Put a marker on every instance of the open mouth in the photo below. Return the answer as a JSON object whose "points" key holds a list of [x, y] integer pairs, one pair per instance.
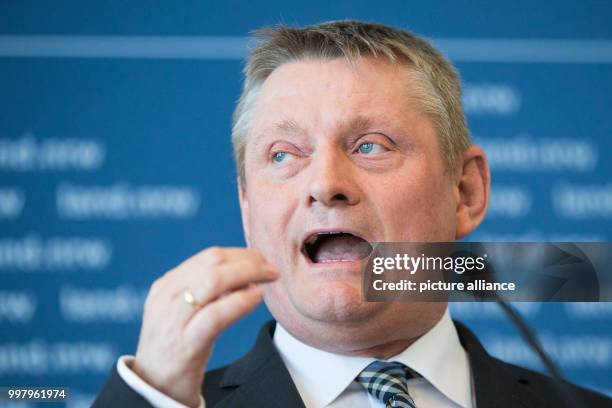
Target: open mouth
{"points": [[335, 247]]}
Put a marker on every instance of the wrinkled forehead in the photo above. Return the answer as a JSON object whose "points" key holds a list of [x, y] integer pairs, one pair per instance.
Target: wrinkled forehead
{"points": [[334, 95]]}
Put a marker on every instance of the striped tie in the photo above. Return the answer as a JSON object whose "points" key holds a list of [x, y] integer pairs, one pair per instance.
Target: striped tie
{"points": [[387, 382]]}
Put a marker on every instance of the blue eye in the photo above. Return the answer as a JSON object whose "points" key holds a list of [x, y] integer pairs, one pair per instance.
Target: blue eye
{"points": [[370, 148], [366, 148], [278, 157]]}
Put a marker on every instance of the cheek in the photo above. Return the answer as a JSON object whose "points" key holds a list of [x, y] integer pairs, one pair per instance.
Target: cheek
{"points": [[269, 213], [265, 218], [415, 209]]}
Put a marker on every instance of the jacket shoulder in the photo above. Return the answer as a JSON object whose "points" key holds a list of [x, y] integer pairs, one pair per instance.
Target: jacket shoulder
{"points": [[545, 386], [212, 390], [501, 384]]}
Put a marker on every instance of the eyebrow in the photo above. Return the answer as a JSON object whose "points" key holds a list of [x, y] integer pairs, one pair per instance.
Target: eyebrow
{"points": [[288, 126], [359, 124]]}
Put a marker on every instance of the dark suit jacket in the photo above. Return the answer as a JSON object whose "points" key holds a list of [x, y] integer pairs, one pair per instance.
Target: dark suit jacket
{"points": [[261, 380]]}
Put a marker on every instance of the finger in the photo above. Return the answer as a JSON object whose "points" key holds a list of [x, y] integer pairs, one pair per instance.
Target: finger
{"points": [[210, 321], [218, 255], [208, 286], [190, 273]]}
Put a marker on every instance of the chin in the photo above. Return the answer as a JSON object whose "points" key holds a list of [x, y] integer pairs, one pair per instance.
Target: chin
{"points": [[333, 317], [333, 302]]}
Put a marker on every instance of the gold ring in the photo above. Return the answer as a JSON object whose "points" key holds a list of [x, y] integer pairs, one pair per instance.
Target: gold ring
{"points": [[189, 298]]}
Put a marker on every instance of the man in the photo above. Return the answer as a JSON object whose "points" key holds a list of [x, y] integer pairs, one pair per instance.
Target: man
{"points": [[346, 133]]}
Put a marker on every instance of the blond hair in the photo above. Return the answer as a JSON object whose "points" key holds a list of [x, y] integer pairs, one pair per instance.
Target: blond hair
{"points": [[436, 84]]}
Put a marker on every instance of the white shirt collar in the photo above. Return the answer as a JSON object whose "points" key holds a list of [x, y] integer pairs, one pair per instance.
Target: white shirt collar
{"points": [[321, 376]]}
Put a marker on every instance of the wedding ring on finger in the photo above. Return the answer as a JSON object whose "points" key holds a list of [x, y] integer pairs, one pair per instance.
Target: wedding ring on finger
{"points": [[189, 298]]}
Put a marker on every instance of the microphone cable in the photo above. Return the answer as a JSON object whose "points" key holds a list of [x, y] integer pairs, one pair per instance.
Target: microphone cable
{"points": [[559, 382]]}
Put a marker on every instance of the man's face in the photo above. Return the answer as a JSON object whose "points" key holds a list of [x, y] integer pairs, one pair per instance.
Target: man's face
{"points": [[339, 156]]}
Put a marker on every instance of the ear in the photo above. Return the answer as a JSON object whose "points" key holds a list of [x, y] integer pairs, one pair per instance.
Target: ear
{"points": [[473, 188], [244, 210]]}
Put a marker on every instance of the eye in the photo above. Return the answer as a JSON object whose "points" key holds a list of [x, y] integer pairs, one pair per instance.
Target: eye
{"points": [[369, 148], [280, 157]]}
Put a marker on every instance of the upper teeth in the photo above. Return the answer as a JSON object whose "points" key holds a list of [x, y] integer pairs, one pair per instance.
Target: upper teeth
{"points": [[313, 238]]}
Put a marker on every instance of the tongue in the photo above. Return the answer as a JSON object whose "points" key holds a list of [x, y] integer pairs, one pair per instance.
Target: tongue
{"points": [[344, 247]]}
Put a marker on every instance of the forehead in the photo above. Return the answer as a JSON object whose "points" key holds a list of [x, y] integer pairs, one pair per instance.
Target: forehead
{"points": [[334, 93]]}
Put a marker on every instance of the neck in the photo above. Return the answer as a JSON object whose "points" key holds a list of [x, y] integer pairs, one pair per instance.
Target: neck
{"points": [[383, 351]]}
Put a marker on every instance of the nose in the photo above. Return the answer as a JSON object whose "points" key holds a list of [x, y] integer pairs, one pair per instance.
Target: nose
{"points": [[333, 179]]}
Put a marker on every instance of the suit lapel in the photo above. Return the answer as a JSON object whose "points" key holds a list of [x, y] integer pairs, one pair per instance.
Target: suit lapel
{"points": [[494, 384], [260, 378]]}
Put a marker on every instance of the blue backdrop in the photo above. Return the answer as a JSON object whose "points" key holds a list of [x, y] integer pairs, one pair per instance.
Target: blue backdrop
{"points": [[115, 162]]}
